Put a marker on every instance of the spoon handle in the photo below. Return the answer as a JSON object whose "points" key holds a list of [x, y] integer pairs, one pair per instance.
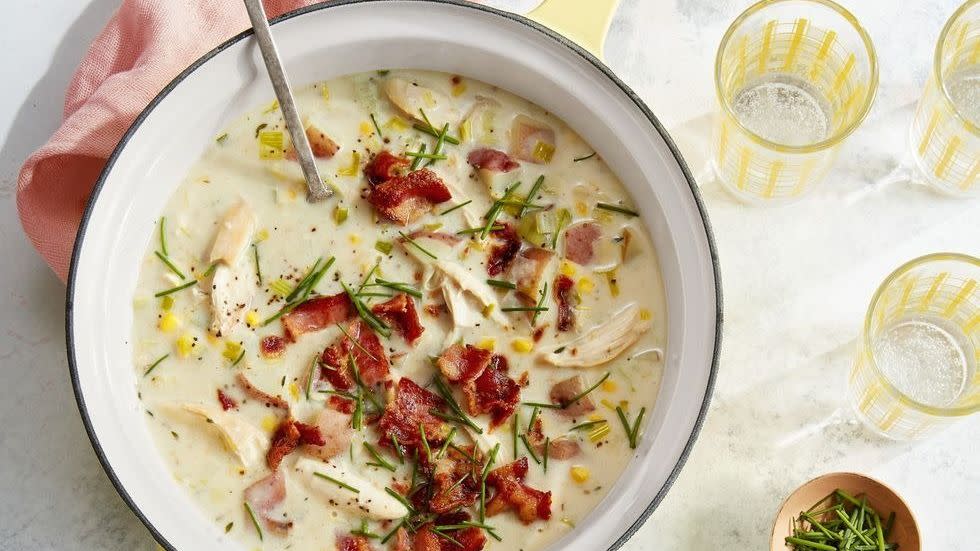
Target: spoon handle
{"points": [[316, 190]]}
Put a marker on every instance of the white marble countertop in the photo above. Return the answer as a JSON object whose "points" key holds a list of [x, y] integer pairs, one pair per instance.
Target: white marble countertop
{"points": [[796, 280]]}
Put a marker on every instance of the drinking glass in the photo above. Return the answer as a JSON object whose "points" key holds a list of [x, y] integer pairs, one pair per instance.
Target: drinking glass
{"points": [[945, 133], [794, 78], [917, 367]]}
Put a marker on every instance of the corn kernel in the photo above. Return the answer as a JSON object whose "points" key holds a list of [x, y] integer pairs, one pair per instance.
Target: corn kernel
{"points": [[232, 351], [459, 89], [487, 343], [567, 268], [608, 404], [294, 391], [213, 339], [522, 345], [168, 322], [579, 474], [270, 423], [354, 238], [365, 128], [581, 208], [645, 314], [325, 92], [595, 417], [488, 309], [252, 318], [396, 123], [184, 345], [262, 235], [609, 385], [585, 285], [272, 106], [167, 302]]}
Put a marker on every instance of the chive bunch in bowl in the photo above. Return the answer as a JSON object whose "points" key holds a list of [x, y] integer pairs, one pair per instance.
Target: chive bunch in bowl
{"points": [[841, 522]]}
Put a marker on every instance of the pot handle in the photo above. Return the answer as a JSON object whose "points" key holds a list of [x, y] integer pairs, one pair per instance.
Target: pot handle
{"points": [[585, 22]]}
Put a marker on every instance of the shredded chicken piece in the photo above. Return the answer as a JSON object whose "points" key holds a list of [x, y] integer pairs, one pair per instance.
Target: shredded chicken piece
{"points": [[234, 234], [232, 290], [473, 286], [602, 343], [246, 441]]}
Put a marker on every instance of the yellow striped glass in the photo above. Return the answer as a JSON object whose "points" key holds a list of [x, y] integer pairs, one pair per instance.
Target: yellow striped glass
{"points": [[794, 78], [916, 370], [945, 133]]}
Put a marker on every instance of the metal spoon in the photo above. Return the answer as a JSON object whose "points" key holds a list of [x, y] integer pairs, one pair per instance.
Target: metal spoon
{"points": [[315, 188]]}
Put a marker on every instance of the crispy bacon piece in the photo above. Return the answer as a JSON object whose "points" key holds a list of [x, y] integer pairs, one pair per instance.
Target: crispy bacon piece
{"points": [[511, 493], [334, 432], [266, 497], [341, 404], [385, 166], [316, 314], [288, 436], [468, 539], [353, 543], [368, 353], [264, 397], [580, 242], [492, 160], [399, 312], [463, 362], [493, 392], [455, 481], [410, 409], [504, 249], [227, 402], [405, 199], [563, 297], [528, 269], [403, 542], [272, 346], [565, 390]]}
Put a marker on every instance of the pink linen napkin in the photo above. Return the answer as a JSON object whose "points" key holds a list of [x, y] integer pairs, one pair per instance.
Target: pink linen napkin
{"points": [[143, 47]]}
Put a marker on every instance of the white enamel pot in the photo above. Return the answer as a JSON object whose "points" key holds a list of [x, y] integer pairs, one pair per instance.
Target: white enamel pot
{"points": [[339, 38]]}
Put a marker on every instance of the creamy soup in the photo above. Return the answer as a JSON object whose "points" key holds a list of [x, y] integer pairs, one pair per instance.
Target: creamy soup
{"points": [[455, 351]]}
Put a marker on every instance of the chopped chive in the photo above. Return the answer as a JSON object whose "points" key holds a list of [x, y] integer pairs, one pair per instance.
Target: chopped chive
{"points": [[403, 287], [809, 544], [384, 463], [447, 395], [542, 405], [210, 270], [169, 264], [617, 208], [430, 130], [517, 420], [530, 196], [364, 531], [502, 284], [425, 444], [305, 281], [259, 128], [469, 231], [309, 378], [449, 440], [417, 162], [547, 449], [401, 499], [258, 266], [365, 314], [524, 309], [534, 417], [440, 142], [176, 289], [376, 127], [631, 431], [371, 294], [563, 219], [255, 521], [588, 425], [163, 236], [429, 156], [394, 530], [459, 206], [221, 139], [416, 245], [483, 480], [155, 364], [540, 307], [230, 524], [446, 537], [239, 358], [586, 158], [340, 393], [357, 417], [494, 211], [527, 445], [398, 448], [364, 282], [586, 391], [340, 483]]}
